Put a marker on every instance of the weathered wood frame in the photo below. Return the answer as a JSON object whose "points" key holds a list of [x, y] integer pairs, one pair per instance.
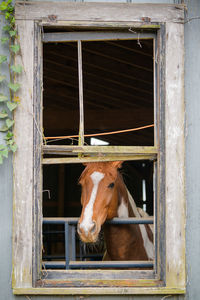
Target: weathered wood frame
{"points": [[167, 19]]}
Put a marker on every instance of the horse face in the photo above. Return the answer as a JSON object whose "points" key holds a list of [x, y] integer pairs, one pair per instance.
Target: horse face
{"points": [[98, 198]]}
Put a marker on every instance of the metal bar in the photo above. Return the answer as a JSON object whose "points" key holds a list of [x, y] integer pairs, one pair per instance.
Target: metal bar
{"points": [[94, 36], [73, 239], [112, 264], [74, 221], [81, 111], [66, 245], [99, 264]]}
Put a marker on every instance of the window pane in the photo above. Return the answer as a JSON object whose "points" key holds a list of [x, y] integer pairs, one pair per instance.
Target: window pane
{"points": [[118, 90], [62, 198], [60, 95]]}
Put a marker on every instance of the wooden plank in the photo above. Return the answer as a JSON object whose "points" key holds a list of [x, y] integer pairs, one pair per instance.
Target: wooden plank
{"points": [[175, 157], [103, 283], [99, 12], [37, 147], [94, 36], [100, 291], [56, 149], [23, 162], [71, 160], [97, 274]]}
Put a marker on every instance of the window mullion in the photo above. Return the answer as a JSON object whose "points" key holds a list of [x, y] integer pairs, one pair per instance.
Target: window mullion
{"points": [[80, 82]]}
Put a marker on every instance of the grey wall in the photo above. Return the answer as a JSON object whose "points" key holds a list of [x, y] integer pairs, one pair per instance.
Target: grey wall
{"points": [[192, 99]]}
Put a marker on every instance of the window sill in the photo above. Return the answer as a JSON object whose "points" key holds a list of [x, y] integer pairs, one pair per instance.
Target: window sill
{"points": [[99, 291]]}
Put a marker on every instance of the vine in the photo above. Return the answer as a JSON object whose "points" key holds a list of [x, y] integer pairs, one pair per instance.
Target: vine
{"points": [[9, 39]]}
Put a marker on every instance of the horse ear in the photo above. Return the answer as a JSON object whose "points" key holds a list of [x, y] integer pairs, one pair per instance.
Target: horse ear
{"points": [[117, 164]]}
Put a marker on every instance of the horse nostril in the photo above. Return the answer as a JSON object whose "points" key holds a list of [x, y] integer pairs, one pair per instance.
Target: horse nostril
{"points": [[93, 228]]}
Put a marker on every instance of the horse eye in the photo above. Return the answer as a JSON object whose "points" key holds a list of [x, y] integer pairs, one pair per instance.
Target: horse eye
{"points": [[111, 185]]}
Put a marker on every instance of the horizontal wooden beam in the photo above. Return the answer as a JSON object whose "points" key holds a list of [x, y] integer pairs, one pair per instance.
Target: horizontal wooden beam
{"points": [[114, 150], [73, 160], [98, 274], [126, 12], [93, 36], [99, 291]]}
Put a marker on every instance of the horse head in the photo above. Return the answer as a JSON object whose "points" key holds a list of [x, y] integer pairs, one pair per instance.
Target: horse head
{"points": [[98, 198]]}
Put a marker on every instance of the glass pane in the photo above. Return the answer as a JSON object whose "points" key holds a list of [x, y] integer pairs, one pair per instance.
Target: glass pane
{"points": [[60, 95], [118, 90]]}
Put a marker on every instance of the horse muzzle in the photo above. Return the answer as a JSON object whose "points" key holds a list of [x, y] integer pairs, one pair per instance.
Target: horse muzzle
{"points": [[89, 234]]}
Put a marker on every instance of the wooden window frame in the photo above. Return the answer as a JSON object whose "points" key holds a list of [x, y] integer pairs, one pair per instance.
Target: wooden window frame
{"points": [[167, 21]]}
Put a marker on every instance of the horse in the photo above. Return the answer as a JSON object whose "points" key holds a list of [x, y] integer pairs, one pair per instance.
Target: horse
{"points": [[105, 196]]}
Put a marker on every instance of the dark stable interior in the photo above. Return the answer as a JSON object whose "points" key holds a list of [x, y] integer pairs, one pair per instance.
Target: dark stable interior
{"points": [[118, 94]]}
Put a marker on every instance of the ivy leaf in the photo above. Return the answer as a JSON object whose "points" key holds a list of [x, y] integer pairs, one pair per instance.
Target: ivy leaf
{"points": [[3, 128], [6, 28], [3, 58], [3, 5], [14, 86], [7, 15], [13, 147], [10, 142], [12, 33], [2, 78], [8, 136], [3, 114], [17, 69], [9, 123], [4, 153], [15, 48], [3, 98], [1, 159], [11, 105], [4, 40], [12, 20], [2, 147]]}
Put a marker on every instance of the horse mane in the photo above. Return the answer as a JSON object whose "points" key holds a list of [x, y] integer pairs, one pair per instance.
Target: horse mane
{"points": [[140, 213]]}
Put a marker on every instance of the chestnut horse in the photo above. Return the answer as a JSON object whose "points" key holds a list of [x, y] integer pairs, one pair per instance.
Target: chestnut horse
{"points": [[105, 196]]}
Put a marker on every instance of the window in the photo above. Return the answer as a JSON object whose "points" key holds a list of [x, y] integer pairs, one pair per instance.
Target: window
{"points": [[162, 34]]}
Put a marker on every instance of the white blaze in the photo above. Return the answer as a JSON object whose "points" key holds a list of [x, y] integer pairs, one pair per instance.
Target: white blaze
{"points": [[87, 222]]}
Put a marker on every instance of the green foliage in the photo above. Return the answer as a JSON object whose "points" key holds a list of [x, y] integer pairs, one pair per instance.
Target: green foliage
{"points": [[3, 58], [3, 114], [15, 48], [14, 86], [16, 68], [3, 98], [4, 40], [11, 105], [9, 39]]}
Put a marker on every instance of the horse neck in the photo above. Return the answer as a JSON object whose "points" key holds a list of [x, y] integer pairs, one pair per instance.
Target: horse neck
{"points": [[125, 242]]}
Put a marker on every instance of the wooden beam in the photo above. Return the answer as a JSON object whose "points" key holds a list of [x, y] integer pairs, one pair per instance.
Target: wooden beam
{"points": [[23, 163], [53, 149], [105, 12], [74, 160]]}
